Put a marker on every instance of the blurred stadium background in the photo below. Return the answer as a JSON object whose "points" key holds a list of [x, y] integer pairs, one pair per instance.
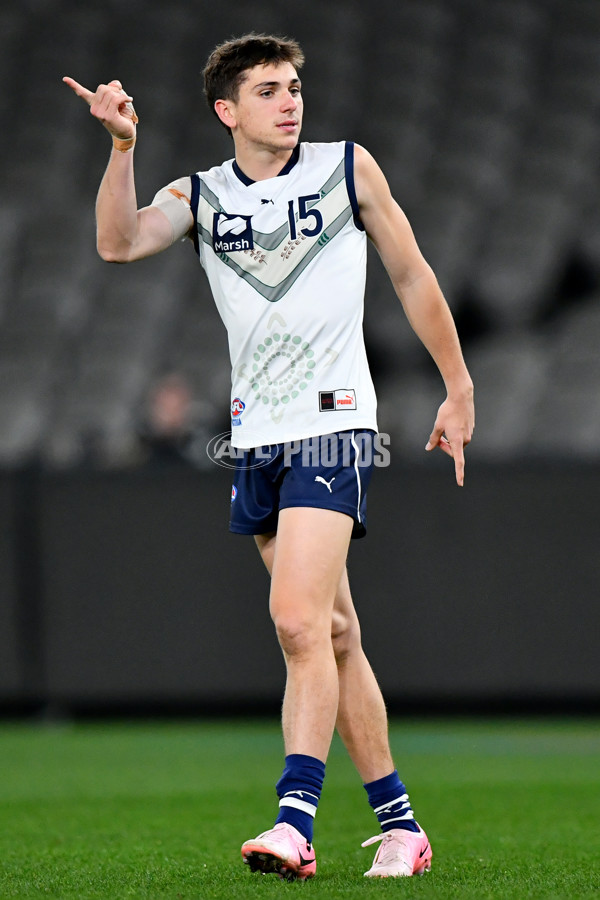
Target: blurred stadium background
{"points": [[121, 586]]}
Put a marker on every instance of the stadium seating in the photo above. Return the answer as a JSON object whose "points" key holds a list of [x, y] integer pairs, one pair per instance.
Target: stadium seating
{"points": [[484, 117]]}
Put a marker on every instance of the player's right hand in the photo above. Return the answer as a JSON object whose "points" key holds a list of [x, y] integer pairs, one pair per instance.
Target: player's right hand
{"points": [[111, 105]]}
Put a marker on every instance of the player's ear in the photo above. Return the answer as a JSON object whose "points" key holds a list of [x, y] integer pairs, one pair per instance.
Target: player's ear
{"points": [[223, 109]]}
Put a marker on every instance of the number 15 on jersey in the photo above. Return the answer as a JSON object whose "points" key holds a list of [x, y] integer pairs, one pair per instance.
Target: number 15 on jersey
{"points": [[311, 216]]}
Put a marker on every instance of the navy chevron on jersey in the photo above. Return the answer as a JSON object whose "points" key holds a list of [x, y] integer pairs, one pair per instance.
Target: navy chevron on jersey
{"points": [[286, 262]]}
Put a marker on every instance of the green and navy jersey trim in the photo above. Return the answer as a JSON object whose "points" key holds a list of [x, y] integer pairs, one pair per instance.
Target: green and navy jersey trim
{"points": [[349, 169], [194, 200]]}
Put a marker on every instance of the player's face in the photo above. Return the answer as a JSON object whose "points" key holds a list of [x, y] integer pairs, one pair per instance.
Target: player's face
{"points": [[268, 111]]}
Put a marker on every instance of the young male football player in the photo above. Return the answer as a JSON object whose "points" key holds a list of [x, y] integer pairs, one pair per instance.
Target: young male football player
{"points": [[281, 232]]}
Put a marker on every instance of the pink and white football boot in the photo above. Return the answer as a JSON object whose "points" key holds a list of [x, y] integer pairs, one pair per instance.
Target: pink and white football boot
{"points": [[401, 853], [282, 850]]}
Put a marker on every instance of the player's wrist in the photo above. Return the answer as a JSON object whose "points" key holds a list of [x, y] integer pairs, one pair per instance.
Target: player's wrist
{"points": [[124, 145], [459, 386]]}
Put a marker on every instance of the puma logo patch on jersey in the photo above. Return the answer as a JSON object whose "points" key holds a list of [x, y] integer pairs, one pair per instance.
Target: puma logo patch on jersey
{"points": [[327, 484], [332, 400], [232, 232]]}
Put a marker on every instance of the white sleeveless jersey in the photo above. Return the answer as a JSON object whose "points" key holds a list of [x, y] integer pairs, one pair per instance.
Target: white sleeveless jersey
{"points": [[286, 262]]}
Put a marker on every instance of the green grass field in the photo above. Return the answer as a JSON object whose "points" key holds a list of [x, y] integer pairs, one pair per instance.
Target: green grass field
{"points": [[160, 810]]}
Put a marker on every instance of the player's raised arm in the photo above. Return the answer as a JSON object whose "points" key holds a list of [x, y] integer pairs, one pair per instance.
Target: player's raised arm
{"points": [[124, 233], [424, 304]]}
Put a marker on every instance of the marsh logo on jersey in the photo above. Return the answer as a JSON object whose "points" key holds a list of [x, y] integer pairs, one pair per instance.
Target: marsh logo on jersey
{"points": [[232, 232]]}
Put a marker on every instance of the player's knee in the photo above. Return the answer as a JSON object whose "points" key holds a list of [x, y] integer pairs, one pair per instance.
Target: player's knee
{"points": [[298, 635], [345, 634]]}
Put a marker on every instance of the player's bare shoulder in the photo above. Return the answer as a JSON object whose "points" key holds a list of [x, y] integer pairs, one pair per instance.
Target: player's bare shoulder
{"points": [[174, 201], [369, 175], [372, 190]]}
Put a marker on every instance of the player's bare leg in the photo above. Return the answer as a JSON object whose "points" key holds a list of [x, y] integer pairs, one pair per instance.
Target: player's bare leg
{"points": [[361, 716], [306, 566]]}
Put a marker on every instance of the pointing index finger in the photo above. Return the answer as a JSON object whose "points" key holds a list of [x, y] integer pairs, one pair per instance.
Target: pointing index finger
{"points": [[455, 449], [460, 471], [80, 90]]}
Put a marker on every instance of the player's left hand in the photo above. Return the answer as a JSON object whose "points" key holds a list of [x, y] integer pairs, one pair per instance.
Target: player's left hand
{"points": [[453, 430]]}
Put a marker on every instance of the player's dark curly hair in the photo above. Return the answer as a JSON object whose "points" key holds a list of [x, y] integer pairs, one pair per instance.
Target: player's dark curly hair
{"points": [[226, 66]]}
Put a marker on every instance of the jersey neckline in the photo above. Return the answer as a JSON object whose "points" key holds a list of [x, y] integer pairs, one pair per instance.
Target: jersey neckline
{"points": [[285, 171]]}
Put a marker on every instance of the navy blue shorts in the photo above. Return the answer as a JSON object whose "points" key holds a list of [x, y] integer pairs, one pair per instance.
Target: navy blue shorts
{"points": [[331, 471]]}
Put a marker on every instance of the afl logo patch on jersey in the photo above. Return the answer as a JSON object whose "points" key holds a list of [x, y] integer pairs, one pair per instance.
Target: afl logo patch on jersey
{"points": [[233, 493], [237, 408], [232, 232]]}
